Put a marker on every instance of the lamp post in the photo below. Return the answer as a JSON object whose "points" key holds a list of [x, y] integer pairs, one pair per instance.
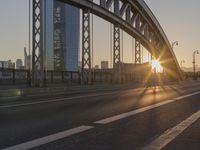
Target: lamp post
{"points": [[194, 66], [181, 63], [175, 43]]}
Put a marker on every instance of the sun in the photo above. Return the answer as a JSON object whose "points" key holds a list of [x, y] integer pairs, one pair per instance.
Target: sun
{"points": [[156, 66]]}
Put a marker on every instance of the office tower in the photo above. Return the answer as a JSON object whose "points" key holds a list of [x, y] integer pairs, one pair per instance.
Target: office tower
{"points": [[48, 33], [62, 33]]}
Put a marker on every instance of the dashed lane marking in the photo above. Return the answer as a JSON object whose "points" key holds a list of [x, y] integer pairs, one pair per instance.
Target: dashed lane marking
{"points": [[137, 111], [172, 133], [57, 100], [50, 138]]}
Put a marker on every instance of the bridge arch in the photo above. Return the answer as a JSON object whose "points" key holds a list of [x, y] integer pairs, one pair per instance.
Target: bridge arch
{"points": [[135, 18]]}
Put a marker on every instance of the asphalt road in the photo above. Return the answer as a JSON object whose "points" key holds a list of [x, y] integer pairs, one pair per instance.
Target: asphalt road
{"points": [[105, 120]]}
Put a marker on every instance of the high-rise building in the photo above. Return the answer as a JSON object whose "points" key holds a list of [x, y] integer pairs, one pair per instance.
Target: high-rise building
{"points": [[19, 63], [104, 64], [48, 33], [61, 28], [27, 60]]}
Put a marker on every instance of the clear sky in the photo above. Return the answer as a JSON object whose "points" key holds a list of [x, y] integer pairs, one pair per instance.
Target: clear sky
{"points": [[180, 20]]}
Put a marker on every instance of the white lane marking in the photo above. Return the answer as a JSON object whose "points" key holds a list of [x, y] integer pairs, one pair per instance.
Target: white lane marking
{"points": [[137, 111], [58, 92], [46, 94], [185, 96], [172, 133], [131, 113], [57, 100], [48, 139]]}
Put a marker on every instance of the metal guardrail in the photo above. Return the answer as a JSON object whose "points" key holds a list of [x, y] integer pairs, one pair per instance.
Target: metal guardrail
{"points": [[17, 77], [23, 77]]}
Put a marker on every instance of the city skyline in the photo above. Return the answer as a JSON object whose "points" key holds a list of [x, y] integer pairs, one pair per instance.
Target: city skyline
{"points": [[170, 14]]}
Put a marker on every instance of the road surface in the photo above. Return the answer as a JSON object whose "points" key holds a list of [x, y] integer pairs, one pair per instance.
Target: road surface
{"points": [[158, 117]]}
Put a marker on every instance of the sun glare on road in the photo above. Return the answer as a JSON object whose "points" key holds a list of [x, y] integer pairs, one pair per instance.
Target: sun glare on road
{"points": [[156, 66]]}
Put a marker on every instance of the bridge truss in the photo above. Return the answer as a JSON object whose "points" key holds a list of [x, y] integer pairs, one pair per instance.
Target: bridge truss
{"points": [[134, 17]]}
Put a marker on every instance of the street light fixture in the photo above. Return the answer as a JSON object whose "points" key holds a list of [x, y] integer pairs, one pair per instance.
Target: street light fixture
{"points": [[181, 63], [175, 43], [194, 53]]}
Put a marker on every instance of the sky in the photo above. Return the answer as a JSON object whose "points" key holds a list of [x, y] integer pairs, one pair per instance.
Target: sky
{"points": [[180, 20]]}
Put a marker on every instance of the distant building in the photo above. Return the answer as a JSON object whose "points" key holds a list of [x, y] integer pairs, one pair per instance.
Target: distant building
{"points": [[62, 32], [104, 64], [27, 60], [19, 64], [3, 64], [79, 65], [7, 64], [96, 67], [11, 65]]}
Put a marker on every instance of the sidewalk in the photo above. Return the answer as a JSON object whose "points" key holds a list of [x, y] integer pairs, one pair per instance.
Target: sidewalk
{"points": [[16, 92], [12, 92]]}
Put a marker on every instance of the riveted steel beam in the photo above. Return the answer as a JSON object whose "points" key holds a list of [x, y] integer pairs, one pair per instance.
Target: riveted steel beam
{"points": [[137, 7], [37, 47], [116, 45], [137, 52], [86, 48]]}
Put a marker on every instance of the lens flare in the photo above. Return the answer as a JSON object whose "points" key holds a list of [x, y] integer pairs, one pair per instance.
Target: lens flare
{"points": [[156, 66]]}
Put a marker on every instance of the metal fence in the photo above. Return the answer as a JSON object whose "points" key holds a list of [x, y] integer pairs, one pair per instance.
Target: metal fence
{"points": [[23, 77], [17, 77]]}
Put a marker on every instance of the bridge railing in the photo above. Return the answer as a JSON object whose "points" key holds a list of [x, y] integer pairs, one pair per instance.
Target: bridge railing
{"points": [[13, 76], [107, 76], [23, 77]]}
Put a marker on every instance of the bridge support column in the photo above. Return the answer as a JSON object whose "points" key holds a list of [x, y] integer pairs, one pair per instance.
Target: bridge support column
{"points": [[137, 52], [37, 47], [86, 48], [116, 53]]}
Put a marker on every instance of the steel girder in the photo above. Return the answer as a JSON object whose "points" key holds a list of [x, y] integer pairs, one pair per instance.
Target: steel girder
{"points": [[86, 48], [126, 17], [137, 52], [116, 45], [37, 49], [116, 33]]}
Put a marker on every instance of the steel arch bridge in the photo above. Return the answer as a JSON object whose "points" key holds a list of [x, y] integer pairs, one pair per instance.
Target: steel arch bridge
{"points": [[132, 16]]}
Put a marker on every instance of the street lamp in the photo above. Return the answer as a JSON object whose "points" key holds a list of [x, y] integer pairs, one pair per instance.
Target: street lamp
{"points": [[175, 43], [195, 52], [181, 63]]}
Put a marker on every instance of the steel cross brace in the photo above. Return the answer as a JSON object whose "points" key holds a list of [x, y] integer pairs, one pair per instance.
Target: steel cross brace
{"points": [[86, 48], [116, 45], [37, 45], [137, 52]]}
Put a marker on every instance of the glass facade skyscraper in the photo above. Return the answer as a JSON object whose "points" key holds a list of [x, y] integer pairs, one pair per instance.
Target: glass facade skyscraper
{"points": [[61, 36]]}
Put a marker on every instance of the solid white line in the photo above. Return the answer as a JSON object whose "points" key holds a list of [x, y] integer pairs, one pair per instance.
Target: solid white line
{"points": [[50, 138], [188, 95], [64, 99], [137, 111], [57, 100], [172, 133]]}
